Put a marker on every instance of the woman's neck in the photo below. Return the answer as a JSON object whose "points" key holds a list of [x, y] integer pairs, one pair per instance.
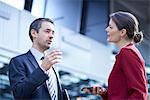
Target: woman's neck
{"points": [[123, 43]]}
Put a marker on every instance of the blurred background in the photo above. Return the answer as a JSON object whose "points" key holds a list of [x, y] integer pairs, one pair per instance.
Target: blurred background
{"points": [[80, 34]]}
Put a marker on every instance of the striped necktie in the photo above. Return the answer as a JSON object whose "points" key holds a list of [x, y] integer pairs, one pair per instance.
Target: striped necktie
{"points": [[51, 87], [50, 84]]}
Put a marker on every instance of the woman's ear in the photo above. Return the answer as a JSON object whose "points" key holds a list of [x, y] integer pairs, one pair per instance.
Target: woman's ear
{"points": [[123, 32]]}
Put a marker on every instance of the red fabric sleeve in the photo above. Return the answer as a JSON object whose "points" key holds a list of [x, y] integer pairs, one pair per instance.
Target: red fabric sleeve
{"points": [[134, 71], [105, 96]]}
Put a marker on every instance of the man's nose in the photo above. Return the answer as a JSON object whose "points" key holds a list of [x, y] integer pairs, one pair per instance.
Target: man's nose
{"points": [[51, 35]]}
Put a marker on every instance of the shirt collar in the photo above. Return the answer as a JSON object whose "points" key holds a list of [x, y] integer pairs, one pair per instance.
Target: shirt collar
{"points": [[38, 55]]}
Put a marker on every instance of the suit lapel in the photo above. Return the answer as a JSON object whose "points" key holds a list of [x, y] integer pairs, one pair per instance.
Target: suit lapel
{"points": [[32, 59]]}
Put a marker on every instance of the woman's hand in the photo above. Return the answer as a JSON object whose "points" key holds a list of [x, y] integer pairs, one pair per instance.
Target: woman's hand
{"points": [[96, 90]]}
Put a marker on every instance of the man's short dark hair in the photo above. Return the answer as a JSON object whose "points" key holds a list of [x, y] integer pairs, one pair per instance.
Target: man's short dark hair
{"points": [[36, 25]]}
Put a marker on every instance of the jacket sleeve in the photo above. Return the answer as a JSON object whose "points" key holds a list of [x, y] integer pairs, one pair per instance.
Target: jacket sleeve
{"points": [[104, 96], [134, 74], [22, 85]]}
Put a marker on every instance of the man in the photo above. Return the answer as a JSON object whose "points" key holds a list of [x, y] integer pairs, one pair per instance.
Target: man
{"points": [[32, 75]]}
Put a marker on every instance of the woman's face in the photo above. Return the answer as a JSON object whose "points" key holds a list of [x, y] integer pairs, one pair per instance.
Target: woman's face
{"points": [[113, 33]]}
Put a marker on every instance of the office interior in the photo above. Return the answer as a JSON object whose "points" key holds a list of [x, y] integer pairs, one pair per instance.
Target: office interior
{"points": [[87, 57]]}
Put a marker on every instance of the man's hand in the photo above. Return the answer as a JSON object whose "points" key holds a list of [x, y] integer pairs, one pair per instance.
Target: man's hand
{"points": [[50, 59]]}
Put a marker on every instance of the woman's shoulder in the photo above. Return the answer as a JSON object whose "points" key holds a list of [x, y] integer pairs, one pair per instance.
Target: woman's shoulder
{"points": [[131, 52]]}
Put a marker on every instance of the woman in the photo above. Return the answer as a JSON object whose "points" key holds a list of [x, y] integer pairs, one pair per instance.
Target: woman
{"points": [[127, 80]]}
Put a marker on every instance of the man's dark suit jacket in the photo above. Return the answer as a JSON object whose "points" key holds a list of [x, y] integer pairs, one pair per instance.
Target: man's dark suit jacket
{"points": [[28, 80]]}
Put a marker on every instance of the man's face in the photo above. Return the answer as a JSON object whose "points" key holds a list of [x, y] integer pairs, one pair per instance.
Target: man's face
{"points": [[43, 38]]}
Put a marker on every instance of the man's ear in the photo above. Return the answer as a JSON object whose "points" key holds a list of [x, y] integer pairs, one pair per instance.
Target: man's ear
{"points": [[123, 33], [33, 33]]}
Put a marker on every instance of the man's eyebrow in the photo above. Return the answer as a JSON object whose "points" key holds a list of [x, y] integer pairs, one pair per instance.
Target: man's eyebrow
{"points": [[49, 29]]}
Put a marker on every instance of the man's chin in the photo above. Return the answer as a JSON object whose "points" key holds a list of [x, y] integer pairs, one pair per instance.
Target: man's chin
{"points": [[46, 47]]}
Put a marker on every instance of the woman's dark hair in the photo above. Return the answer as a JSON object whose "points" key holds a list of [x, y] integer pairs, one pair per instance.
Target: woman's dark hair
{"points": [[128, 21], [36, 25]]}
